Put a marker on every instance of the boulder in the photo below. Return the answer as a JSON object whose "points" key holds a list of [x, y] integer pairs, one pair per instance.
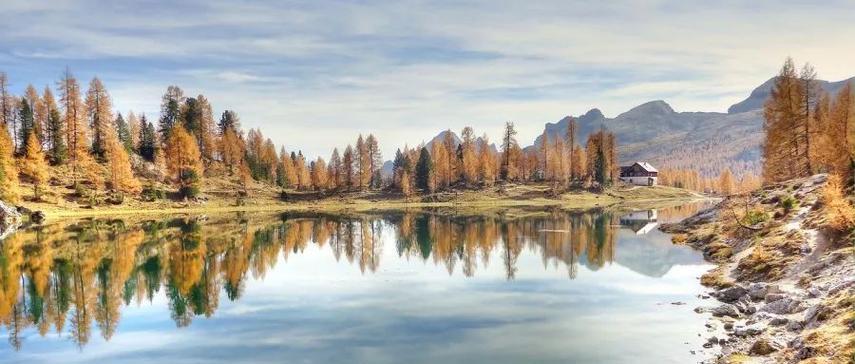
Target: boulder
{"points": [[783, 306], [815, 313], [731, 294], [758, 291], [751, 330], [725, 310]]}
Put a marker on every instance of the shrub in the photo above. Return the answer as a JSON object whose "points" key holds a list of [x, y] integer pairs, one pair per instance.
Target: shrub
{"points": [[788, 203], [150, 193], [189, 181], [754, 217]]}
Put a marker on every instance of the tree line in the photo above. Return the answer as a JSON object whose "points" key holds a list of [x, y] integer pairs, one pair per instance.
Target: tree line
{"points": [[103, 150]]}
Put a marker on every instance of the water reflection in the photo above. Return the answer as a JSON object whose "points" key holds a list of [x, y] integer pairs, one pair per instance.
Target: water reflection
{"points": [[69, 277]]}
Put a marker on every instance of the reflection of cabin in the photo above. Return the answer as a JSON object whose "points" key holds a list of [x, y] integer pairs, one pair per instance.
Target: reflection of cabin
{"points": [[641, 222], [640, 174]]}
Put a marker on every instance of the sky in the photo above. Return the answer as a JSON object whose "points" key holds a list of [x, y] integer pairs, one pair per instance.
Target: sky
{"points": [[313, 75]]}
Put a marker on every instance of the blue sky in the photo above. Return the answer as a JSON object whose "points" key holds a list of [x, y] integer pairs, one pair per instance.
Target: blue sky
{"points": [[314, 74]]}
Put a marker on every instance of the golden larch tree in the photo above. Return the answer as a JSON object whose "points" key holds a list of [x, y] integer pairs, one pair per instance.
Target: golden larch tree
{"points": [[183, 161], [121, 175], [34, 165], [9, 185]]}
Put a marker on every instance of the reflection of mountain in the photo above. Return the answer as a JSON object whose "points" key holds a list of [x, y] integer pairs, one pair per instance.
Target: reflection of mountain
{"points": [[652, 254]]}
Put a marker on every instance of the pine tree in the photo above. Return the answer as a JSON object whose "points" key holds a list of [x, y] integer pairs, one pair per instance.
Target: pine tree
{"points": [[34, 165], [348, 167], [75, 127], [509, 147], [147, 140], [424, 171], [375, 161], [319, 174], [183, 162], [486, 162], [123, 132], [26, 120], [100, 114], [5, 101], [362, 163], [170, 111], [781, 157], [451, 148], [134, 129], [121, 175], [571, 143], [468, 157], [9, 186], [40, 113], [232, 146], [442, 171], [56, 130], [229, 120], [335, 170]]}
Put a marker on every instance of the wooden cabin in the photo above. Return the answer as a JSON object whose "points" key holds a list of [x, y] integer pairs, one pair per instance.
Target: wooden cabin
{"points": [[639, 174]]}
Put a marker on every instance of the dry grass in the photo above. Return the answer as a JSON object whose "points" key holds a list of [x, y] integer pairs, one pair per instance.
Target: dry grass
{"points": [[221, 194], [716, 279]]}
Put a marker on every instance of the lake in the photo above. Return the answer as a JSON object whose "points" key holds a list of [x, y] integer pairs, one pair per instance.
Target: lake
{"points": [[378, 287]]}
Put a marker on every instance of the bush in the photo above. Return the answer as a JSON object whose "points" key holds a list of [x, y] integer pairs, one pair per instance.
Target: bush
{"points": [[788, 203], [150, 193], [189, 181], [754, 217]]}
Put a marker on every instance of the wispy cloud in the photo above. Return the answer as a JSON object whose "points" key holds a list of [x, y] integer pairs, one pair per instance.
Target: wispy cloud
{"points": [[313, 74]]}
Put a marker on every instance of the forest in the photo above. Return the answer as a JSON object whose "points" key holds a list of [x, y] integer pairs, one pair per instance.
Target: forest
{"points": [[105, 155]]}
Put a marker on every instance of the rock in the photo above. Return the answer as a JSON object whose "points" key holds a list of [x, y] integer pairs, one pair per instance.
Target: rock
{"points": [[728, 326], [783, 306], [772, 297], [841, 286], [794, 326], [752, 330], [762, 347], [10, 219], [779, 321], [745, 307], [37, 217], [731, 294], [814, 292], [758, 291], [816, 312], [725, 310], [805, 352]]}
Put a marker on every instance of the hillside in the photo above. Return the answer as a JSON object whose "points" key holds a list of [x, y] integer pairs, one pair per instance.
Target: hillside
{"points": [[706, 141], [785, 279]]}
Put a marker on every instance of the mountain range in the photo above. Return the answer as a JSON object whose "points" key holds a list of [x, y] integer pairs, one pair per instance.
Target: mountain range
{"points": [[654, 132]]}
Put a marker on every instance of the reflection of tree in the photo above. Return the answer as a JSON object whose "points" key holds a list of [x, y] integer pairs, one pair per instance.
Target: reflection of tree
{"points": [[84, 272]]}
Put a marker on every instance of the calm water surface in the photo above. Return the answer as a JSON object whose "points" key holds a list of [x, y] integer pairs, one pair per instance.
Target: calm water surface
{"points": [[417, 287]]}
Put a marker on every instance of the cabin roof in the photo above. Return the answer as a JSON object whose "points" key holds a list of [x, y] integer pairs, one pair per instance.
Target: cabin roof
{"points": [[647, 166], [644, 165]]}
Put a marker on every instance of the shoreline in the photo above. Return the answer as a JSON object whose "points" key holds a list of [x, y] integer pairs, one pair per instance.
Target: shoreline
{"points": [[515, 197], [782, 290]]}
